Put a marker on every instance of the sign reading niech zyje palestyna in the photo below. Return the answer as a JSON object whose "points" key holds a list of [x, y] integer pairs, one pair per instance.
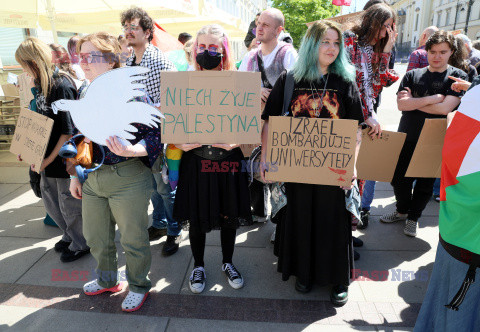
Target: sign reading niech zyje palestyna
{"points": [[211, 107], [311, 150]]}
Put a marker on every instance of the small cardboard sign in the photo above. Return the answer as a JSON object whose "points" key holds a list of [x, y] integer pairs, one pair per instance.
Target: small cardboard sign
{"points": [[426, 161], [24, 89], [311, 150], [210, 107], [10, 90], [377, 158], [31, 137]]}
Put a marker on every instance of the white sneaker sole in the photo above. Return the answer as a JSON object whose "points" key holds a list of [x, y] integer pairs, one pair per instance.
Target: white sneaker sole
{"points": [[409, 234], [235, 285], [195, 290]]}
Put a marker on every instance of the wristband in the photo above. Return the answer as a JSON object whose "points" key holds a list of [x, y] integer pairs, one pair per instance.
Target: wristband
{"points": [[73, 177]]}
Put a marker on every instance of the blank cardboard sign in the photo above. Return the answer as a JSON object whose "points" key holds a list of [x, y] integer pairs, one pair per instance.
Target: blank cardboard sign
{"points": [[311, 150], [31, 137], [378, 158], [427, 158]]}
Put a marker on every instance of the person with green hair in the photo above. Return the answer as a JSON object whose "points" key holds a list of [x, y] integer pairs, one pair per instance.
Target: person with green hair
{"points": [[314, 240]]}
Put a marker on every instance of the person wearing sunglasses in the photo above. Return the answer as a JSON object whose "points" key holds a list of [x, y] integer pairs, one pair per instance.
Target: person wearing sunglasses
{"points": [[138, 27], [212, 200]]}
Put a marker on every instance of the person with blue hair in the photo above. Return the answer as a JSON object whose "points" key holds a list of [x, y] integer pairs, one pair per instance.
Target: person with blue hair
{"points": [[314, 239]]}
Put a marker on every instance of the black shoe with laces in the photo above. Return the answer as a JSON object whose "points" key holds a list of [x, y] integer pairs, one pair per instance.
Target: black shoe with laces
{"points": [[233, 275], [171, 245], [156, 233], [70, 256], [197, 280], [61, 245]]}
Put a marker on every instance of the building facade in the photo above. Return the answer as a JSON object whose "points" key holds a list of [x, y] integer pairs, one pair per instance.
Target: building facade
{"points": [[415, 15]]}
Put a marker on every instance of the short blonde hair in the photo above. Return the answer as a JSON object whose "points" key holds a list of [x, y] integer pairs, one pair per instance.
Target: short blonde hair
{"points": [[105, 43]]}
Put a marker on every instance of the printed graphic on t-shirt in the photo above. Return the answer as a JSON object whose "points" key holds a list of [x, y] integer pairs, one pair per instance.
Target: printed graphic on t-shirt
{"points": [[307, 103]]}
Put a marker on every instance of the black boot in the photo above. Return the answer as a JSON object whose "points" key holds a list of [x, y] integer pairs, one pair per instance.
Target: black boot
{"points": [[363, 222]]}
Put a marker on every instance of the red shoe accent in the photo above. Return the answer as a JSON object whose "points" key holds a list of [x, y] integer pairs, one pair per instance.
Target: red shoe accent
{"points": [[141, 304], [115, 289]]}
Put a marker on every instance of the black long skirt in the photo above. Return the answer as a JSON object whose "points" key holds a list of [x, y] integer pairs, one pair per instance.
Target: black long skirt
{"points": [[314, 238], [209, 197]]}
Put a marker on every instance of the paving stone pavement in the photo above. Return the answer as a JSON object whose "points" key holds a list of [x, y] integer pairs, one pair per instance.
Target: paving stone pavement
{"points": [[38, 292]]}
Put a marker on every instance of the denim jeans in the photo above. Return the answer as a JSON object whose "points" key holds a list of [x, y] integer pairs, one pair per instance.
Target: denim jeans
{"points": [[368, 194], [163, 198], [436, 187]]}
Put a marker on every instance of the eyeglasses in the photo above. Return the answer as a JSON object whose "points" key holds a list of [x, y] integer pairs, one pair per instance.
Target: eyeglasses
{"points": [[89, 58], [212, 49], [132, 27]]}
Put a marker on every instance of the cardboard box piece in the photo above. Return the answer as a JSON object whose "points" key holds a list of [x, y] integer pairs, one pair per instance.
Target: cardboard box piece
{"points": [[427, 158], [211, 107], [311, 150], [378, 158], [31, 137]]}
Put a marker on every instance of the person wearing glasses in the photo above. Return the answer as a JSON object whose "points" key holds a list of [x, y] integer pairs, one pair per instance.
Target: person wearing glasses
{"points": [[118, 193], [212, 200], [138, 28]]}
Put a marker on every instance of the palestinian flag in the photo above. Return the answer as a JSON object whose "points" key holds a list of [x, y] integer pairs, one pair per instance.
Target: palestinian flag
{"points": [[460, 186]]}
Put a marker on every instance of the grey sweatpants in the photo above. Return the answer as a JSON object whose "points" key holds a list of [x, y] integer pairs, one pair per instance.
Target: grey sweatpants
{"points": [[65, 210]]}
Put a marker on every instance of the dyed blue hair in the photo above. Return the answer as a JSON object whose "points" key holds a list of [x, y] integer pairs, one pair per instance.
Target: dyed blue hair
{"points": [[307, 66]]}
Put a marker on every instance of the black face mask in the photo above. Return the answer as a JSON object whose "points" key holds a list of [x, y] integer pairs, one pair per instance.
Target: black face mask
{"points": [[207, 61]]}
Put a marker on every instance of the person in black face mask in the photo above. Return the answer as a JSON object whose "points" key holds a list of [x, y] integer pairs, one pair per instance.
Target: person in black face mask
{"points": [[210, 199]]}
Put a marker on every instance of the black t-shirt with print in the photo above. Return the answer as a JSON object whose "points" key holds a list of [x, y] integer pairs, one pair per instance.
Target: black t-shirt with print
{"points": [[62, 122], [341, 99], [423, 83]]}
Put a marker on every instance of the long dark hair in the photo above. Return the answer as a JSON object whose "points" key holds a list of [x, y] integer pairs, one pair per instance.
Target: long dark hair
{"points": [[459, 57], [371, 23]]}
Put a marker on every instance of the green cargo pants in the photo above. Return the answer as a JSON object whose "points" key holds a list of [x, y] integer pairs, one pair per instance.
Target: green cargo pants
{"points": [[119, 194]]}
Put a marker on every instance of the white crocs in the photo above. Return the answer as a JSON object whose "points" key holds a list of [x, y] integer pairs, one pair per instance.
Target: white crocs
{"points": [[133, 301], [93, 288]]}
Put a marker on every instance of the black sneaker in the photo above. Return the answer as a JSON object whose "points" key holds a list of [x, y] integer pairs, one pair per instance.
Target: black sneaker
{"points": [[302, 288], [61, 245], [363, 222], [233, 275], [339, 295], [156, 233], [436, 198], [70, 256], [171, 245], [357, 242], [197, 280]]}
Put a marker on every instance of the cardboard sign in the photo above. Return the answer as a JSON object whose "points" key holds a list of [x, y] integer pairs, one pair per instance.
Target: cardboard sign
{"points": [[377, 159], [10, 90], [24, 89], [31, 137], [427, 158], [311, 150], [211, 107]]}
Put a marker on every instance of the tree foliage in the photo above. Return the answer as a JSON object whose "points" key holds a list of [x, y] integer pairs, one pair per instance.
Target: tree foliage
{"points": [[299, 12]]}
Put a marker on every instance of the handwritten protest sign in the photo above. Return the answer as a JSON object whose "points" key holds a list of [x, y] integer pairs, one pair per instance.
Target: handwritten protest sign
{"points": [[377, 158], [311, 150], [211, 107], [426, 161], [31, 137]]}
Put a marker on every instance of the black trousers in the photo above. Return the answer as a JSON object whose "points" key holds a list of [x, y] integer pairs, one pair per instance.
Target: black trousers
{"points": [[410, 203], [197, 244]]}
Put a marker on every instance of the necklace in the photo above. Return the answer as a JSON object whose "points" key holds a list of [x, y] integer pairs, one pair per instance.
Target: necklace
{"points": [[318, 101]]}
